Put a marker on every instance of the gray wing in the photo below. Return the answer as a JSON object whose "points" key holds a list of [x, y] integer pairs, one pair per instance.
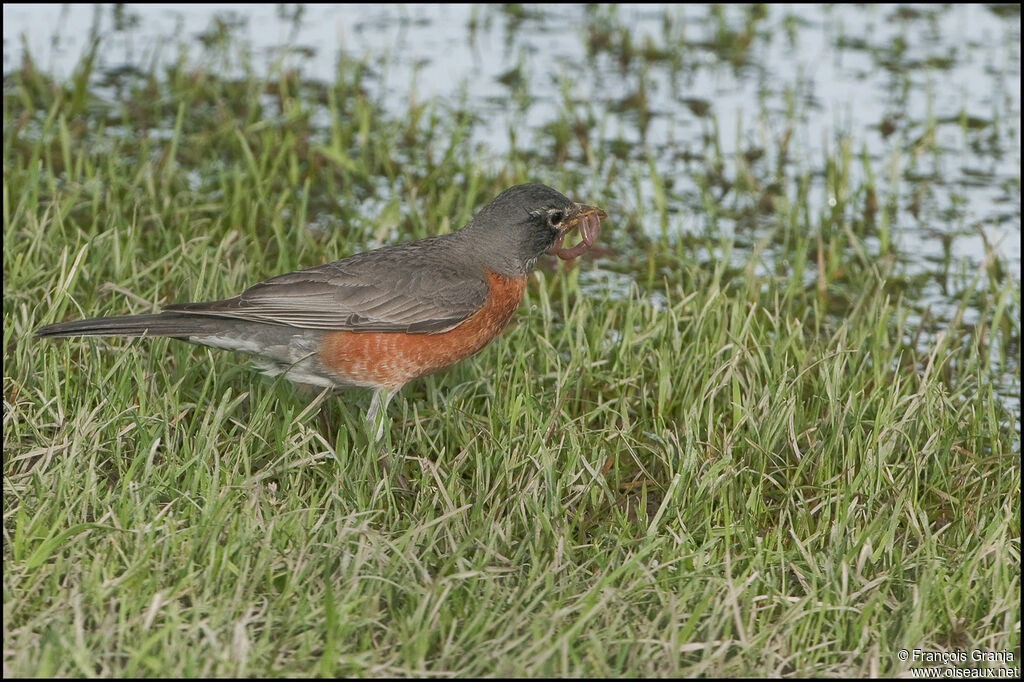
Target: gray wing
{"points": [[412, 288]]}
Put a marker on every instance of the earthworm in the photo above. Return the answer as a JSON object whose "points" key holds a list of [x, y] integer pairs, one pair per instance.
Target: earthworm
{"points": [[589, 226]]}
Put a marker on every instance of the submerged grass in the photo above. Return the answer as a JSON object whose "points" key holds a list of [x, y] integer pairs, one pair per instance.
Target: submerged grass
{"points": [[713, 466]]}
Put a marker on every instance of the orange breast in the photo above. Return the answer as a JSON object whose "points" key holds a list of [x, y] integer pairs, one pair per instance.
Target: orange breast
{"points": [[393, 359]]}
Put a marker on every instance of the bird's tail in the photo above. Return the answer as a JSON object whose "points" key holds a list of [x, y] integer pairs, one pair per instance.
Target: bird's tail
{"points": [[278, 349], [160, 324]]}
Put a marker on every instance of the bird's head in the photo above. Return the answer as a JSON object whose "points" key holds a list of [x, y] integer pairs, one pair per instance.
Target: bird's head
{"points": [[525, 221]]}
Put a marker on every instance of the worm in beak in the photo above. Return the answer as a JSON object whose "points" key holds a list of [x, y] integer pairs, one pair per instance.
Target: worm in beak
{"points": [[588, 219]]}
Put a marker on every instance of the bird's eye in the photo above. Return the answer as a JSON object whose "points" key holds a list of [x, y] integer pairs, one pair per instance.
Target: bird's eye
{"points": [[555, 218]]}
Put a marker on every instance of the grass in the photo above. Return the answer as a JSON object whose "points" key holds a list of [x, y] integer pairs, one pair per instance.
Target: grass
{"points": [[720, 467]]}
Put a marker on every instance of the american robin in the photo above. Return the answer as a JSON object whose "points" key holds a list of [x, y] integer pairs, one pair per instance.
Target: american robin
{"points": [[382, 318]]}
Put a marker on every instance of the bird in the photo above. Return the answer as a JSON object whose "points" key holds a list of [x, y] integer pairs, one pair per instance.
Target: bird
{"points": [[381, 318]]}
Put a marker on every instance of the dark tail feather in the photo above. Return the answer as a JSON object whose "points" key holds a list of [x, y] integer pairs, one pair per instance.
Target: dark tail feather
{"points": [[160, 324]]}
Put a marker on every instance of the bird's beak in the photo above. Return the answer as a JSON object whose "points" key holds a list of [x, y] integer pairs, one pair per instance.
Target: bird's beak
{"points": [[588, 220], [580, 212]]}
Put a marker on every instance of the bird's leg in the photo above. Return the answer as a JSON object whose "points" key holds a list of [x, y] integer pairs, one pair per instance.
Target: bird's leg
{"points": [[377, 415]]}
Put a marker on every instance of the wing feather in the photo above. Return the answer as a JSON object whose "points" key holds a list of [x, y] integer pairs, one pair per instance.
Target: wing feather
{"points": [[419, 287]]}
